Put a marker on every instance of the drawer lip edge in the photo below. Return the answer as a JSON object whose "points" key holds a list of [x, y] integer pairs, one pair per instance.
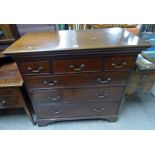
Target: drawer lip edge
{"points": [[76, 87], [77, 103], [77, 118]]}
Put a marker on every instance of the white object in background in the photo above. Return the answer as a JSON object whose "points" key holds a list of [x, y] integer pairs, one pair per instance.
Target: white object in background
{"points": [[144, 64], [153, 90]]}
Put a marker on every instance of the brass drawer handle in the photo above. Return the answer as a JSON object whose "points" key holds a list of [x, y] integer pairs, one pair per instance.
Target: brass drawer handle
{"points": [[99, 109], [73, 67], [101, 96], [119, 65], [54, 98], [56, 111], [35, 70], [50, 83], [2, 103], [103, 81]]}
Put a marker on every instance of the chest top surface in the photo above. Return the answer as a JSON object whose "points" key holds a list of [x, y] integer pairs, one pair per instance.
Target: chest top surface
{"points": [[71, 40]]}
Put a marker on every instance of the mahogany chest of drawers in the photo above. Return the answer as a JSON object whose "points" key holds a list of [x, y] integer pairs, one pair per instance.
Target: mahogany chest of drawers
{"points": [[73, 75]]}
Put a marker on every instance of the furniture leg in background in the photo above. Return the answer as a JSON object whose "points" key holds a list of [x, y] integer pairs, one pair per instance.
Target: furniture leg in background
{"points": [[11, 90]]}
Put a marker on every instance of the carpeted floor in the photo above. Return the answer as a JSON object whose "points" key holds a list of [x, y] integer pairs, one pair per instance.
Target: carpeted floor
{"points": [[137, 113]]}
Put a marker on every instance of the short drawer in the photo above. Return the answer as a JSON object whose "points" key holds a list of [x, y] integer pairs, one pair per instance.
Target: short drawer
{"points": [[76, 80], [47, 97], [119, 63], [36, 67], [8, 101], [76, 65], [78, 110]]}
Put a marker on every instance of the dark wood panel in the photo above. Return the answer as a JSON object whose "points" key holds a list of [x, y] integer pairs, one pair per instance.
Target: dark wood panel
{"points": [[76, 65], [76, 95], [8, 91], [76, 80], [78, 110], [119, 63], [36, 67], [9, 101]]}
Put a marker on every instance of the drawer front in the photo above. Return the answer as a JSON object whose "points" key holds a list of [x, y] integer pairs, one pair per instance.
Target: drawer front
{"points": [[91, 94], [77, 80], [119, 62], [8, 91], [76, 65], [78, 110], [8, 101], [36, 67]]}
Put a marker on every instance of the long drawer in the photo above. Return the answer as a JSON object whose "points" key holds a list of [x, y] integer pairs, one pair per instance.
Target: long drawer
{"points": [[78, 110], [76, 80], [76, 95]]}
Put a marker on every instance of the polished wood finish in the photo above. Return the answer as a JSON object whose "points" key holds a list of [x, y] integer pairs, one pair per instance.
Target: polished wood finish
{"points": [[86, 72], [73, 41], [37, 67], [76, 65], [76, 95], [76, 80], [97, 109], [119, 62]]}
